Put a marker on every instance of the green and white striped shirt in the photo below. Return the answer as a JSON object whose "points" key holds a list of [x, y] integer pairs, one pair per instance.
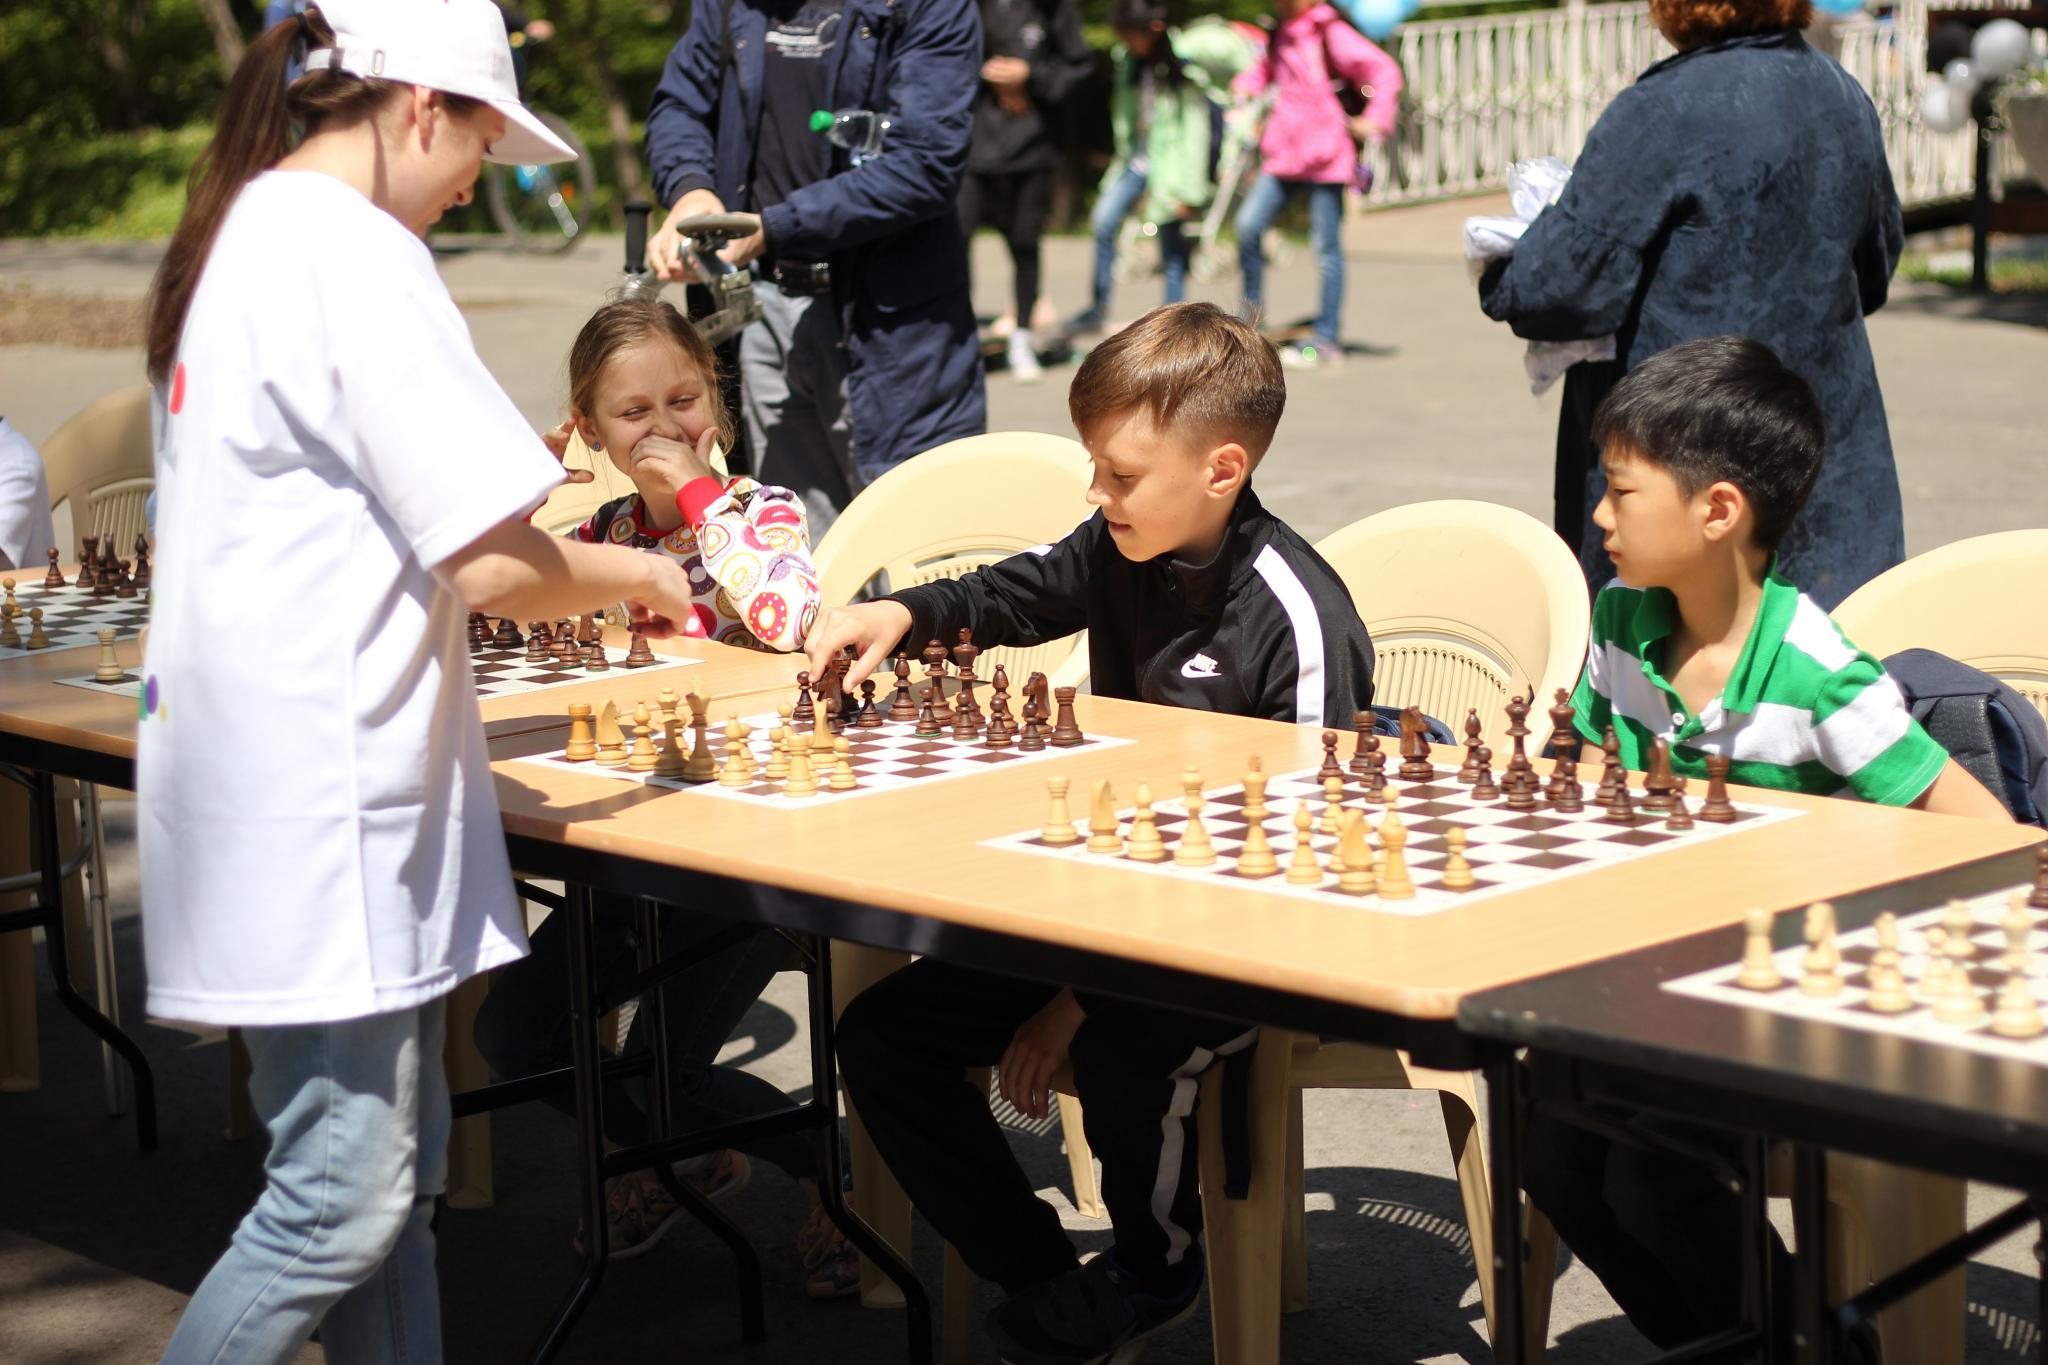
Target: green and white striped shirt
{"points": [[1803, 709]]}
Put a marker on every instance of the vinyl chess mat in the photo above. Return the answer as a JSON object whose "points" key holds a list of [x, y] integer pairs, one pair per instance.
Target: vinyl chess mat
{"points": [[1849, 1008], [498, 672], [73, 616], [1507, 849], [887, 758]]}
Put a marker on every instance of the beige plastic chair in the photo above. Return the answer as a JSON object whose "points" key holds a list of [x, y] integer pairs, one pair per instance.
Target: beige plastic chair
{"points": [[101, 466], [1981, 601], [1465, 601], [949, 511]]}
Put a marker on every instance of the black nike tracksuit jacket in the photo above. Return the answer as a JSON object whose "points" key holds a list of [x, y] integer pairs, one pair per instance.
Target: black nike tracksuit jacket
{"points": [[1264, 629]]}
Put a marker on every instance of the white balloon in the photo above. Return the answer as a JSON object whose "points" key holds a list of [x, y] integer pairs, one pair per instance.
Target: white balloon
{"points": [[1961, 75], [1943, 109], [2000, 48]]}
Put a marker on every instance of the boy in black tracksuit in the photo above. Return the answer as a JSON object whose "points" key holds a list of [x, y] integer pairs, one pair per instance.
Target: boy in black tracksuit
{"points": [[1193, 595]]}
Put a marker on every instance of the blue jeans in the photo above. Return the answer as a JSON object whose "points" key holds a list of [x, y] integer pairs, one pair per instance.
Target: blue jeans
{"points": [[1114, 205], [340, 1239], [1325, 230]]}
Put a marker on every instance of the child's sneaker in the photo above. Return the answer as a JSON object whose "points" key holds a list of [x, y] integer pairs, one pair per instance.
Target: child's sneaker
{"points": [[1093, 1315], [1023, 357], [1312, 355], [639, 1210]]}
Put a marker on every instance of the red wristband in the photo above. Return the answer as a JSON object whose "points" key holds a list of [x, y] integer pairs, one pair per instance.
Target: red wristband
{"points": [[695, 496]]}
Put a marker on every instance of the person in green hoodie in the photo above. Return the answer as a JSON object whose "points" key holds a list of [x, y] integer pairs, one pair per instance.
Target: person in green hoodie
{"points": [[1169, 85]]}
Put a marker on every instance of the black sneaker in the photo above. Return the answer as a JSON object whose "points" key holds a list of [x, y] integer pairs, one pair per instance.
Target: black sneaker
{"points": [[1093, 1315], [1086, 321]]}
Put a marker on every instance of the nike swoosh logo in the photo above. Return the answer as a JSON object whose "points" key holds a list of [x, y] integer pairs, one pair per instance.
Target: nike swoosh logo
{"points": [[1200, 666]]}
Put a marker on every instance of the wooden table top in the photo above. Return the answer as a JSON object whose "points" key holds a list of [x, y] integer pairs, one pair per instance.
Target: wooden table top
{"points": [[919, 850]]}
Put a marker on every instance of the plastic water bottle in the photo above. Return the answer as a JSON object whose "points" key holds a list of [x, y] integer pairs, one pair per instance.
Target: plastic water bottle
{"points": [[859, 131]]}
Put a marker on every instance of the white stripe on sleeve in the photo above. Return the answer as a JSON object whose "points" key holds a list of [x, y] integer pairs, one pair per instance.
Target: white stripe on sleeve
{"points": [[1308, 633]]}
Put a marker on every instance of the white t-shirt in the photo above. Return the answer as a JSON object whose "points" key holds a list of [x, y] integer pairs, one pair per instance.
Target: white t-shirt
{"points": [[26, 533], [319, 835]]}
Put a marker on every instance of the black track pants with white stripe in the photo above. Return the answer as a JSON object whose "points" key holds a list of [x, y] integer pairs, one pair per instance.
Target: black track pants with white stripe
{"points": [[904, 1047]]}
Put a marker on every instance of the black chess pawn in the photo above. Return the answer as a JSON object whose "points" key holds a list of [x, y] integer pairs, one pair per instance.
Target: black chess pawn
{"points": [[567, 654], [538, 642], [55, 577], [1566, 796], [88, 561], [1717, 809], [476, 628], [803, 713], [928, 716], [124, 586], [1680, 818], [870, 717], [638, 653], [1362, 723], [594, 658], [507, 634], [1622, 809], [1483, 788], [903, 706], [1331, 767]]}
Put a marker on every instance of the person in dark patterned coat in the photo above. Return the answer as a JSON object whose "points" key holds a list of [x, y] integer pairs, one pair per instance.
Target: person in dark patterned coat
{"points": [[1738, 187]]}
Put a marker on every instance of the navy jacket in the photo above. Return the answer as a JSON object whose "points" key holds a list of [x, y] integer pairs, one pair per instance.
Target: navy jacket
{"points": [[1265, 628], [1739, 188], [899, 263]]}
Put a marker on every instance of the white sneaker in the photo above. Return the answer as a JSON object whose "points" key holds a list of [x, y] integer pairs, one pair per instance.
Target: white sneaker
{"points": [[1023, 358], [1310, 356]]}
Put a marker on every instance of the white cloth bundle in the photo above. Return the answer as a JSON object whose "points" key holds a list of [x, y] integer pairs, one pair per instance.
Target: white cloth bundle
{"points": [[1532, 187]]}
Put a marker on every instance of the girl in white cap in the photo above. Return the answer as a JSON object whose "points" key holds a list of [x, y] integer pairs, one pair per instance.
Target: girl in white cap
{"points": [[340, 482]]}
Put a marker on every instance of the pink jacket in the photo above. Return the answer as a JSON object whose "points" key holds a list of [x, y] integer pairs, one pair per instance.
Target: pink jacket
{"points": [[1305, 137]]}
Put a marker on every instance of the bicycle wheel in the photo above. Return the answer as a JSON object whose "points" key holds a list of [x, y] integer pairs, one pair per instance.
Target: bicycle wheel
{"points": [[544, 208]]}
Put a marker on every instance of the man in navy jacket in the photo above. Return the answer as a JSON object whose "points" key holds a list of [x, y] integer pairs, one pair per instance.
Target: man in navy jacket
{"points": [[866, 352]]}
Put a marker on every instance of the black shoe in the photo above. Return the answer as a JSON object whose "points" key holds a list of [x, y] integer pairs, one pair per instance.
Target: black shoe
{"points": [[1093, 1315]]}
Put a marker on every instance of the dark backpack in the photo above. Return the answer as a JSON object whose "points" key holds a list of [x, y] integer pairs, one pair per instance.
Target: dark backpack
{"points": [[1988, 728]]}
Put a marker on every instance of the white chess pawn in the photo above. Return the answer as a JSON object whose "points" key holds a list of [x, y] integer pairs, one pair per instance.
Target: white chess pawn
{"points": [[1888, 993], [1302, 868], [1759, 964]]}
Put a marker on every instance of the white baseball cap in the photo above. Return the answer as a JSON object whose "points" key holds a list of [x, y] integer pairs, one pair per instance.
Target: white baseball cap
{"points": [[455, 46]]}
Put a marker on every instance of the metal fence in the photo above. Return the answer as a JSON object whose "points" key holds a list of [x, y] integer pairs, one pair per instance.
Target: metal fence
{"points": [[1485, 93]]}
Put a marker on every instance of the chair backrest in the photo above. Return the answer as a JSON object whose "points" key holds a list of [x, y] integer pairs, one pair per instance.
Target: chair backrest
{"points": [[101, 466], [1982, 602], [953, 509], [1465, 602]]}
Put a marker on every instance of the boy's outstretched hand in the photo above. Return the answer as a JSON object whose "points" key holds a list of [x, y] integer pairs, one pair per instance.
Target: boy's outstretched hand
{"points": [[1038, 1049], [872, 628]]}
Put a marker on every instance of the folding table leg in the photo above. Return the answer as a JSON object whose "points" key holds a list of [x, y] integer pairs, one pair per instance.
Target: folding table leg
{"points": [[105, 975], [1504, 1107], [589, 1125], [50, 866], [1813, 1321]]}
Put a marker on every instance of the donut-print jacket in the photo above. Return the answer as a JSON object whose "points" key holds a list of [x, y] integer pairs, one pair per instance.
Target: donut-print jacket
{"points": [[747, 550]]}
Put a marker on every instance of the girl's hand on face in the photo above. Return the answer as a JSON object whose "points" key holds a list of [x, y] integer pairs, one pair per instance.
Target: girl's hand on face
{"points": [[677, 462]]}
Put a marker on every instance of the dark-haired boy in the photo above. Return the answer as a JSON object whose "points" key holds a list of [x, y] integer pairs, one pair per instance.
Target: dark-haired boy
{"points": [[1710, 449], [1193, 595]]}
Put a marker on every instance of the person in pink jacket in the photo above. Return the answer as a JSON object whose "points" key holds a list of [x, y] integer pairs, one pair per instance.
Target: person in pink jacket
{"points": [[1309, 147]]}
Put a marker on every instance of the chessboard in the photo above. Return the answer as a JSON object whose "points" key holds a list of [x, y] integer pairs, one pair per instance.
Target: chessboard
{"points": [[1505, 849], [1970, 974], [71, 616], [886, 757], [498, 673]]}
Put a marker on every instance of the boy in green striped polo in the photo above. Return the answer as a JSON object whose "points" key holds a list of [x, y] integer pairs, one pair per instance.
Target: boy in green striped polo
{"points": [[1710, 448]]}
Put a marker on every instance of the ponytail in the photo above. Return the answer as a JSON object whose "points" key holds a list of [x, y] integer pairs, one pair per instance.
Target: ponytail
{"points": [[252, 133]]}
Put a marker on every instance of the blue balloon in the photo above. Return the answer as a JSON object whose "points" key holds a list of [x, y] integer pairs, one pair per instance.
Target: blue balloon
{"points": [[1378, 18], [1841, 9]]}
